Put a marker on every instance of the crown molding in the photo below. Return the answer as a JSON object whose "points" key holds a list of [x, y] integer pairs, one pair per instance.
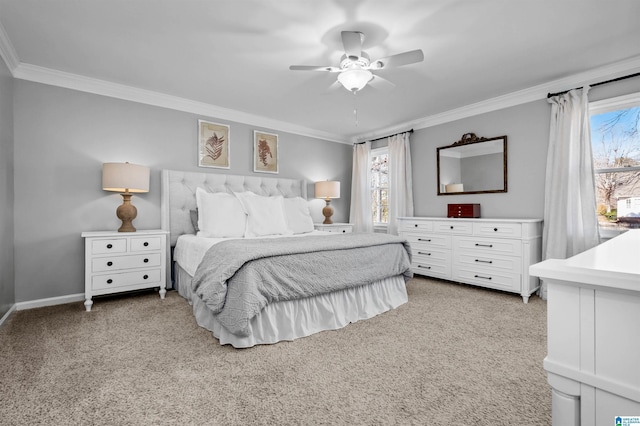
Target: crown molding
{"points": [[7, 52], [52, 77], [535, 93]]}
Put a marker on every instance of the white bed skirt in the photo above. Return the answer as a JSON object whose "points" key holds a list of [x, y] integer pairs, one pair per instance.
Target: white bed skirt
{"points": [[291, 319]]}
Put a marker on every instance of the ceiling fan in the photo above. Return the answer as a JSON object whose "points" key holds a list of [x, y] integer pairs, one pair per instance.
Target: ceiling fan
{"points": [[355, 69]]}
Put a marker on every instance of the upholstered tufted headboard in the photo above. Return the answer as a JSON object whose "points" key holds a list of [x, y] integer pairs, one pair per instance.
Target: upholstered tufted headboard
{"points": [[178, 194]]}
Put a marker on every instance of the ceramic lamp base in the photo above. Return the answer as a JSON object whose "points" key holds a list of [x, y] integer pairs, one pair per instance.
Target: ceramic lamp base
{"points": [[126, 212], [327, 211]]}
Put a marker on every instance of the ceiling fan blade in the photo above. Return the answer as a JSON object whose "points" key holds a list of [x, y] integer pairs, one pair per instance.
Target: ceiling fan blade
{"points": [[352, 42], [381, 84], [398, 60], [313, 68]]}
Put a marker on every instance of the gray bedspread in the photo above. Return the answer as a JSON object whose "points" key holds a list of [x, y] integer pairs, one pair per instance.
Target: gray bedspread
{"points": [[237, 278]]}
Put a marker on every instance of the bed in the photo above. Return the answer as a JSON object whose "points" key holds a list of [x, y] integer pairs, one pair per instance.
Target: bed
{"points": [[198, 266]]}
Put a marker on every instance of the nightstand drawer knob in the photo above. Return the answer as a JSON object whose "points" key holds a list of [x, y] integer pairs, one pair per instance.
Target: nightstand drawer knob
{"points": [[146, 261], [146, 244], [145, 277], [109, 246], [109, 281], [109, 263]]}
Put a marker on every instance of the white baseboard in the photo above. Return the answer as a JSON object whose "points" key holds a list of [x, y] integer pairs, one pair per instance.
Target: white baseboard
{"points": [[21, 306], [6, 316]]}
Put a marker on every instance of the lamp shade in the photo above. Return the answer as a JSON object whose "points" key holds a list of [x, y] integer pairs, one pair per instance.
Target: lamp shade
{"points": [[355, 79], [125, 177], [327, 189], [454, 187]]}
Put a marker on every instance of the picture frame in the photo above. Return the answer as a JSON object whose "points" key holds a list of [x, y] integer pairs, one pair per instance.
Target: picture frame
{"points": [[265, 152], [213, 145]]}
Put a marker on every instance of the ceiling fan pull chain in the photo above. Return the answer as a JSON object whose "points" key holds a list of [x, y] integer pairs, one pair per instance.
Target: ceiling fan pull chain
{"points": [[355, 106]]}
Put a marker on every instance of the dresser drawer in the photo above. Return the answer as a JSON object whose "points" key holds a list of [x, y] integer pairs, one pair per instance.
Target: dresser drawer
{"points": [[115, 245], [494, 279], [431, 268], [112, 263], [415, 225], [492, 262], [486, 246], [99, 282], [145, 244], [501, 229], [428, 241], [453, 227]]}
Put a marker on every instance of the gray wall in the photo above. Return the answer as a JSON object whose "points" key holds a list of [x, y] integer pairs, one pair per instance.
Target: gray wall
{"points": [[62, 137], [7, 294], [527, 130]]}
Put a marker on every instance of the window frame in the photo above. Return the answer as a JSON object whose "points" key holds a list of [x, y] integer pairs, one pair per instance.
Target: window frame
{"points": [[603, 106]]}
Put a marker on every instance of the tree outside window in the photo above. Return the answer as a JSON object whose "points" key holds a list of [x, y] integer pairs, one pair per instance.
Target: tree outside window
{"points": [[615, 139], [379, 186]]}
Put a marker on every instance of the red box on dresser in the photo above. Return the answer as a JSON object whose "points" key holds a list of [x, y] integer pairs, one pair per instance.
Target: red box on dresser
{"points": [[463, 210]]}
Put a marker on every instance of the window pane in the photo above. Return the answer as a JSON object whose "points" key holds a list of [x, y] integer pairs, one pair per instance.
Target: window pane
{"points": [[616, 160], [379, 183]]}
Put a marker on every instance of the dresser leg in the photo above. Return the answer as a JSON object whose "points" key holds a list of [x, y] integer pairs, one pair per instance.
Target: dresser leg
{"points": [[87, 304], [163, 291], [525, 299]]}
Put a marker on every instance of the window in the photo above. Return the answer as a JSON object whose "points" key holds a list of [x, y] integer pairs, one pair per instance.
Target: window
{"points": [[615, 140], [379, 186]]}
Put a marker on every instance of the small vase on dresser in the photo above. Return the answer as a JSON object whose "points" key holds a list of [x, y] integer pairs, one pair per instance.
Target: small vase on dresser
{"points": [[493, 253]]}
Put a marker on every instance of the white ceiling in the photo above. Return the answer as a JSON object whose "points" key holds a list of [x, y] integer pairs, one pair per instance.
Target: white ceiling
{"points": [[230, 59]]}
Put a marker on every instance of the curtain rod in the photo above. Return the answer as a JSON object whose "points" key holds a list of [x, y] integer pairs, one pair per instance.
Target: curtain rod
{"points": [[377, 139], [550, 95]]}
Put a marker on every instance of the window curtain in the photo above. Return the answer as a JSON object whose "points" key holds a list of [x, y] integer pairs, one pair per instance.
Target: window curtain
{"points": [[570, 218], [360, 213], [400, 195]]}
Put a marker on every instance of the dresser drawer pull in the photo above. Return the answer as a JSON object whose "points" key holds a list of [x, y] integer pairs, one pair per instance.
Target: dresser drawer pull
{"points": [[109, 281], [451, 227], [424, 267], [146, 261], [484, 261], [109, 263], [427, 254], [145, 277], [480, 276], [423, 239], [146, 244], [495, 229], [484, 245], [109, 246]]}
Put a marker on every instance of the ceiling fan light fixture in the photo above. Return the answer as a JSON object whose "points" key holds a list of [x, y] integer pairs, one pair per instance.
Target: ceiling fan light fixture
{"points": [[355, 79]]}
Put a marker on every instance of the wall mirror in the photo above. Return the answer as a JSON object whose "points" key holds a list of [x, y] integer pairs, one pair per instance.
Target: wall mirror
{"points": [[473, 165]]}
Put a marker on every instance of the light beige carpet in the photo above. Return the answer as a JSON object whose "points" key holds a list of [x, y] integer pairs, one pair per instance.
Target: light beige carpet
{"points": [[453, 355]]}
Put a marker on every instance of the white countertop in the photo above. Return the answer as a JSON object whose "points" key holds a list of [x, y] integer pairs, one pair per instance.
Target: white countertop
{"points": [[612, 264]]}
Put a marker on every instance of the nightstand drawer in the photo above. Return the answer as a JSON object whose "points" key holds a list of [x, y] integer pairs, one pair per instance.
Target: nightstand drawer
{"points": [[112, 263], [99, 282], [145, 244], [115, 245]]}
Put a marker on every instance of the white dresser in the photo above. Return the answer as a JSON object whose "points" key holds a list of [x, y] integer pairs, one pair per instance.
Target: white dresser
{"points": [[593, 341], [123, 261], [494, 253], [334, 227]]}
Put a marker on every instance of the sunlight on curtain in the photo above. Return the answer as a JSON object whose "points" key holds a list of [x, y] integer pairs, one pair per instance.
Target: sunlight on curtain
{"points": [[570, 221], [400, 181], [360, 212]]}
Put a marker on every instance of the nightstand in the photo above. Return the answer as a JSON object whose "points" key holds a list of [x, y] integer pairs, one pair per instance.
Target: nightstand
{"points": [[123, 261], [334, 227]]}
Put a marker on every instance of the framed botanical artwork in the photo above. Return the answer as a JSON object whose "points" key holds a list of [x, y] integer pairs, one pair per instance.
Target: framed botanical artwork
{"points": [[213, 144], [265, 152]]}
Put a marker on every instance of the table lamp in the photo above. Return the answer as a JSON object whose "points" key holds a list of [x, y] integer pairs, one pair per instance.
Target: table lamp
{"points": [[327, 189], [125, 178]]}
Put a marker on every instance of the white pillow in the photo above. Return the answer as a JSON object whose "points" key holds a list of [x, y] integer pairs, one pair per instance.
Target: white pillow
{"points": [[299, 219], [220, 215], [265, 215]]}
